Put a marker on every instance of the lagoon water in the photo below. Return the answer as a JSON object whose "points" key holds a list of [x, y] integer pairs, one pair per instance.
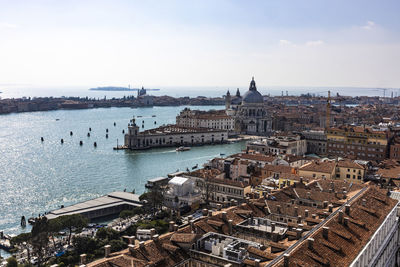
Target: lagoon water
{"points": [[36, 176]]}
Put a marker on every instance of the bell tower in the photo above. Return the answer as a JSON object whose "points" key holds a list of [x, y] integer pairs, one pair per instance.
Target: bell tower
{"points": [[132, 136], [228, 101]]}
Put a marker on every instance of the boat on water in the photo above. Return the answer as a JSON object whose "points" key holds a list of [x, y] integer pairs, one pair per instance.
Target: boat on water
{"points": [[153, 116], [183, 148], [139, 116]]}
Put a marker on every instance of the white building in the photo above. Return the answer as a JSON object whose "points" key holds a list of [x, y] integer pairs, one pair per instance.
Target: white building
{"points": [[215, 119], [182, 192], [280, 145]]}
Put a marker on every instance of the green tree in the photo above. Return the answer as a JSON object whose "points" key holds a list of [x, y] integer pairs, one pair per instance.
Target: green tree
{"points": [[55, 226], [154, 197], [84, 245], [23, 240], [72, 221], [12, 262], [107, 233], [40, 238]]}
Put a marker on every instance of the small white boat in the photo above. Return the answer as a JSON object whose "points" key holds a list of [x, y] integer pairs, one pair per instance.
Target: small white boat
{"points": [[183, 148]]}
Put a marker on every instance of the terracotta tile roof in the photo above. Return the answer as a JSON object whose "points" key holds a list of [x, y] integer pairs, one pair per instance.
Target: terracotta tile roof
{"points": [[316, 166], [349, 164], [183, 238], [345, 242]]}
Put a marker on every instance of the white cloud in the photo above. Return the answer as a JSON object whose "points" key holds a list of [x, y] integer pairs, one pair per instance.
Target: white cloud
{"points": [[285, 42], [5, 25], [314, 43], [370, 24]]}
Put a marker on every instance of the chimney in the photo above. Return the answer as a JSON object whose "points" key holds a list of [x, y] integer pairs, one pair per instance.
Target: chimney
{"points": [[301, 180], [330, 190], [219, 207], [230, 223], [330, 208], [364, 202], [347, 209], [205, 212], [341, 217], [224, 216], [107, 250], [306, 213], [326, 214], [176, 227], [346, 221], [155, 238], [285, 260], [266, 210], [131, 248], [257, 263], [83, 259], [313, 216], [171, 226], [325, 232], [344, 194], [189, 218], [141, 244], [273, 227], [131, 240], [192, 226], [247, 200], [152, 231], [296, 211], [298, 233], [233, 202], [325, 204], [310, 242], [210, 213], [292, 201], [309, 195], [278, 209], [299, 219]]}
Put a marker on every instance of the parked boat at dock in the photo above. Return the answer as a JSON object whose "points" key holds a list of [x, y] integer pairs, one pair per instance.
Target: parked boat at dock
{"points": [[183, 148]]}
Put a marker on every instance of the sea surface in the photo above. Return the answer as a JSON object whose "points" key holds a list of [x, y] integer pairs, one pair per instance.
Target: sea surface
{"points": [[36, 177]]}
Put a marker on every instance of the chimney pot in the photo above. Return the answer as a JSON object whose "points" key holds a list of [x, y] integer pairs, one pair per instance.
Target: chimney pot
{"points": [[341, 217], [83, 259], [171, 226], [299, 219], [306, 213], [156, 237], [219, 207], [344, 194], [296, 211], [346, 221], [190, 217], [286, 258], [210, 213], [230, 224], [330, 208], [107, 250], [309, 195], [313, 216], [326, 204], [141, 244], [224, 216], [347, 209], [205, 212], [257, 263], [325, 232], [310, 242], [176, 227], [131, 248]]}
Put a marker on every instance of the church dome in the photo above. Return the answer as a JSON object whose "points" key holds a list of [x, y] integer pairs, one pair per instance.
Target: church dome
{"points": [[253, 96]]}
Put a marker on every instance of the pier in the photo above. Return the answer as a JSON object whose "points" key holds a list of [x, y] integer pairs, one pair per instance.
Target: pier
{"points": [[110, 204]]}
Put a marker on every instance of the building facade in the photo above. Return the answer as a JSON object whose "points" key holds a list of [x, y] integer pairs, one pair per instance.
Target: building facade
{"points": [[214, 119], [172, 135], [357, 143]]}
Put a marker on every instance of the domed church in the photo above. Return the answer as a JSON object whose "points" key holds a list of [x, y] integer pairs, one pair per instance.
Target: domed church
{"points": [[250, 115]]}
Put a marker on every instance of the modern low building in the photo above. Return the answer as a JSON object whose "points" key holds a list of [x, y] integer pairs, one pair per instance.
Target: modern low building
{"points": [[171, 135], [182, 193]]}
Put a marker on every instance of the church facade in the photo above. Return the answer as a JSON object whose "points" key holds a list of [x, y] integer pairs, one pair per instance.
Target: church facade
{"points": [[251, 116]]}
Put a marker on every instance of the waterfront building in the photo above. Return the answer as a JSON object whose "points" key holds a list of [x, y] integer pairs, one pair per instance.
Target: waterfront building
{"points": [[251, 116], [172, 135], [357, 142], [291, 144], [215, 119]]}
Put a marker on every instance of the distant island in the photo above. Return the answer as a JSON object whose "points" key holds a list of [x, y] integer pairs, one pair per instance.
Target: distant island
{"points": [[112, 88]]}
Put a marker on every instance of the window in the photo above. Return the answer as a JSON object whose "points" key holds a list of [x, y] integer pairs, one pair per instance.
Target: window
{"points": [[347, 175]]}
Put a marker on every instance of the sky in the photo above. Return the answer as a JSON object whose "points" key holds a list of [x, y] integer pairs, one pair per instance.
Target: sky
{"points": [[352, 43]]}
